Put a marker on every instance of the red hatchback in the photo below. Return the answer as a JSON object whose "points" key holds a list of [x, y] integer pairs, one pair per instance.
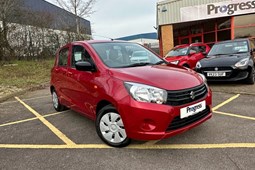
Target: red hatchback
{"points": [[187, 55], [129, 96]]}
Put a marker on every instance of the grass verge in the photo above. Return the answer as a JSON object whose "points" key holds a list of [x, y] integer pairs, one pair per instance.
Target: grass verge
{"points": [[25, 74]]}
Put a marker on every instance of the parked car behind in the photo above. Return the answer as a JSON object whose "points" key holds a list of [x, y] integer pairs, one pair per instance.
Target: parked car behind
{"points": [[231, 60], [127, 97], [187, 55]]}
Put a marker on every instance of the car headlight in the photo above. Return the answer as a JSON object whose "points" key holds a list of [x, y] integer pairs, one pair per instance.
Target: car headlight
{"points": [[203, 77], [145, 93], [198, 65], [242, 62], [174, 62]]}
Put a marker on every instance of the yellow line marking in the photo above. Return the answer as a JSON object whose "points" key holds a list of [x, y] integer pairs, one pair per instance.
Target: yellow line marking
{"points": [[143, 147], [235, 115], [30, 119], [26, 99], [225, 102], [57, 132], [152, 142]]}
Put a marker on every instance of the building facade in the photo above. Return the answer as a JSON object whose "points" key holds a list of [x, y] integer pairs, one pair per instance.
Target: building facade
{"points": [[207, 21]]}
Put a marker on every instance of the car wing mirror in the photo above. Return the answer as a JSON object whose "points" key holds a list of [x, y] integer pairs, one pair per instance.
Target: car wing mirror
{"points": [[84, 66]]}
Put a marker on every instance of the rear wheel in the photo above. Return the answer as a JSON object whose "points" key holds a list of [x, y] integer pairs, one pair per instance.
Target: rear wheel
{"points": [[110, 127], [251, 77], [55, 101]]}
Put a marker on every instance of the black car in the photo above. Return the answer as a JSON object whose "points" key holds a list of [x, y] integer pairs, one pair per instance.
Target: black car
{"points": [[231, 60]]}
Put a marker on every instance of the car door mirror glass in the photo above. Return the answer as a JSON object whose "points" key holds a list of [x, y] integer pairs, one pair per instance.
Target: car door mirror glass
{"points": [[84, 66]]}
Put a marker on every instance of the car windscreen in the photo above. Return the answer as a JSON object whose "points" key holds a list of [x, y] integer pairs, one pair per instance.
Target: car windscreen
{"points": [[229, 48], [121, 54], [178, 52]]}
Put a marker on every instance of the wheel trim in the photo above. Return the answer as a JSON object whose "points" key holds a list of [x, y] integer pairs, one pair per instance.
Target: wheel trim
{"points": [[55, 100], [112, 128]]}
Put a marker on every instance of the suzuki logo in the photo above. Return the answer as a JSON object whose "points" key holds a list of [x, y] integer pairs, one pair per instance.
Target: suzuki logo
{"points": [[216, 69], [192, 95]]}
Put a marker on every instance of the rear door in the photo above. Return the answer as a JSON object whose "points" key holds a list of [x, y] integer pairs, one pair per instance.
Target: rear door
{"points": [[59, 74]]}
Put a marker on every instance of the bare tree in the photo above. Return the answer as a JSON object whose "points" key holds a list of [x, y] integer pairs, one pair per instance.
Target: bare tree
{"points": [[7, 10], [80, 8]]}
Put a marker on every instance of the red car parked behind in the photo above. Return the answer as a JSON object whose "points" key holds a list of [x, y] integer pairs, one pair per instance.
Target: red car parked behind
{"points": [[187, 55]]}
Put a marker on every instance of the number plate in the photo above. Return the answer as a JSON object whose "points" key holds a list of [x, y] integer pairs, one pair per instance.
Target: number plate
{"points": [[193, 109], [216, 74]]}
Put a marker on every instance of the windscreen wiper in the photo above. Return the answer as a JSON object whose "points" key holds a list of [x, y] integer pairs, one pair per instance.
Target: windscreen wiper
{"points": [[160, 62], [138, 64]]}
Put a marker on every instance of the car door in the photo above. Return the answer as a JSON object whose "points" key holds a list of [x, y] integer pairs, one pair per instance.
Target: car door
{"points": [[59, 72], [81, 84], [200, 51]]}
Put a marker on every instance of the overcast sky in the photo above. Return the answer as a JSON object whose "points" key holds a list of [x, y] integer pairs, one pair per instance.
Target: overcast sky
{"points": [[119, 18]]}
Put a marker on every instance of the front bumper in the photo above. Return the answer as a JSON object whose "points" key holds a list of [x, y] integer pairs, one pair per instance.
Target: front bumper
{"points": [[147, 121], [231, 76]]}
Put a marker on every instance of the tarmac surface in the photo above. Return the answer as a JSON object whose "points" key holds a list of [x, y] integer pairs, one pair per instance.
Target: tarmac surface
{"points": [[35, 136]]}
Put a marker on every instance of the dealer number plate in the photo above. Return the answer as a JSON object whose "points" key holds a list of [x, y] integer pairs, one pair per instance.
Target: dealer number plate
{"points": [[216, 74], [193, 109]]}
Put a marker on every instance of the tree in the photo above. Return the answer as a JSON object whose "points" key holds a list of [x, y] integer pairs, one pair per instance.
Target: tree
{"points": [[80, 8], [8, 9]]}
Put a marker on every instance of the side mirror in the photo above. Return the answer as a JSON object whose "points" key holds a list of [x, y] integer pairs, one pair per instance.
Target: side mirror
{"points": [[84, 66]]}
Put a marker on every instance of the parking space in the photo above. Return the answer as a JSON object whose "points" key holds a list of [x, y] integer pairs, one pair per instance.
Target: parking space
{"points": [[31, 130]]}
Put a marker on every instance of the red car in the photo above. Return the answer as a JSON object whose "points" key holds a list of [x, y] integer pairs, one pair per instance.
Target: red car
{"points": [[187, 55], [129, 98]]}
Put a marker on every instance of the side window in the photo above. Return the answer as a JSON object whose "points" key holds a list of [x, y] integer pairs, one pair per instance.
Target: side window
{"points": [[80, 54], [63, 57], [202, 49], [252, 44]]}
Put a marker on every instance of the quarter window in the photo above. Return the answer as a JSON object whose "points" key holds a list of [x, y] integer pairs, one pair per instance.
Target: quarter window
{"points": [[63, 57]]}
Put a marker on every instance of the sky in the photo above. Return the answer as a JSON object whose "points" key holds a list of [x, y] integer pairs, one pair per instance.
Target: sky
{"points": [[119, 18]]}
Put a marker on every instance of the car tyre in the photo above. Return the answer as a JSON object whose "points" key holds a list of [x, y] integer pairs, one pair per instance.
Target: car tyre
{"points": [[110, 127], [55, 101], [251, 77]]}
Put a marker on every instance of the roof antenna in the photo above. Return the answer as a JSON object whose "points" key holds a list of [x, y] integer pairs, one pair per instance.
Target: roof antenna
{"points": [[112, 39]]}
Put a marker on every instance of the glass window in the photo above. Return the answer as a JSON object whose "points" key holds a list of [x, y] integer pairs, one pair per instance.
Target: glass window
{"points": [[119, 55], [229, 48], [209, 25], [224, 35], [196, 39], [244, 32], [185, 41], [244, 20], [209, 37], [63, 57], [80, 54], [196, 29], [178, 52], [223, 23]]}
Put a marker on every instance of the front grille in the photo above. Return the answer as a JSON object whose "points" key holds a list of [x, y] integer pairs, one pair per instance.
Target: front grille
{"points": [[180, 97], [177, 122]]}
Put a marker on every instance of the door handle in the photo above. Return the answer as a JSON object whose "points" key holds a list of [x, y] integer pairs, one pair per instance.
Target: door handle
{"points": [[69, 74]]}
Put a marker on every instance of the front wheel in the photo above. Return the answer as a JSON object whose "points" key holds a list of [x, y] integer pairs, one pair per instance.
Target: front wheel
{"points": [[251, 77], [110, 127]]}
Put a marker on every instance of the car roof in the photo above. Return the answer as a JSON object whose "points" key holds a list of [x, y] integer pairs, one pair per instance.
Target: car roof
{"points": [[100, 41]]}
